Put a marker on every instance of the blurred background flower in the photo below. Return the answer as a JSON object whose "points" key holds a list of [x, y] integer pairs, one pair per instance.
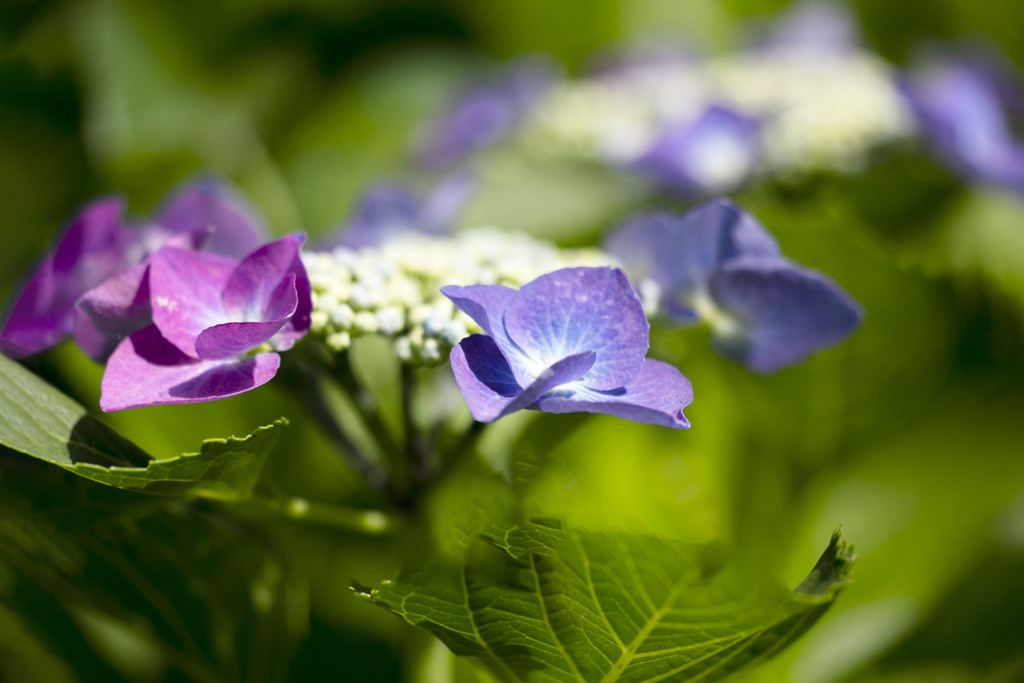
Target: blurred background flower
{"points": [[908, 433]]}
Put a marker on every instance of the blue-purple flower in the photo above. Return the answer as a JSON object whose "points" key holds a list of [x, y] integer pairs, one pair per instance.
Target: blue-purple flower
{"points": [[712, 154], [574, 340], [217, 323], [967, 108], [813, 26], [388, 209], [486, 112], [99, 247], [717, 264]]}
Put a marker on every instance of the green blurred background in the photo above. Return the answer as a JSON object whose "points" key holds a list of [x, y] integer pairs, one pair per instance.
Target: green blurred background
{"points": [[910, 434]]}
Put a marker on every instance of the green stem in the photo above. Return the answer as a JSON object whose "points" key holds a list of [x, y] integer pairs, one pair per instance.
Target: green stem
{"points": [[366, 404], [367, 522], [416, 454], [310, 393]]}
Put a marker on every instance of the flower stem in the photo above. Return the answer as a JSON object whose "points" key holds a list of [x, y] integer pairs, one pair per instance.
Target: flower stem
{"points": [[369, 411]]}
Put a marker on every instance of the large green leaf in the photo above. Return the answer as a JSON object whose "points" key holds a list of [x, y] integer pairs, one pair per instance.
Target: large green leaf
{"points": [[566, 605], [38, 420]]}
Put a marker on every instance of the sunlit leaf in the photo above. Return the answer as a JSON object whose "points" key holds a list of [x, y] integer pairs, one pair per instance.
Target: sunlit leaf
{"points": [[567, 605], [38, 420]]}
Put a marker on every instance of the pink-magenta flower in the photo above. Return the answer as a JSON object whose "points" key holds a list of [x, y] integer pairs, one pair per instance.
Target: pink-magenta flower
{"points": [[217, 324]]}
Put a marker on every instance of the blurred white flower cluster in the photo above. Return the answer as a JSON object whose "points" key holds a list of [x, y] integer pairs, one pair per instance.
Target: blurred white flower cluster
{"points": [[818, 110], [393, 290]]}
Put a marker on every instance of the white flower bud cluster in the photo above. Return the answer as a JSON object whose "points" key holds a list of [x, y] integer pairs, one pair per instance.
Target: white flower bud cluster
{"points": [[394, 290], [819, 111]]}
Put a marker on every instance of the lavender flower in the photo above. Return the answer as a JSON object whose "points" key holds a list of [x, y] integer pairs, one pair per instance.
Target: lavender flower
{"points": [[570, 341], [719, 265], [714, 153], [389, 209], [813, 26], [90, 250], [966, 108], [217, 323], [99, 249], [202, 214], [486, 112]]}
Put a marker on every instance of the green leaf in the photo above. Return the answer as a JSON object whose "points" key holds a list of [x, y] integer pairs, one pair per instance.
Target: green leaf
{"points": [[223, 468], [566, 605], [38, 420]]}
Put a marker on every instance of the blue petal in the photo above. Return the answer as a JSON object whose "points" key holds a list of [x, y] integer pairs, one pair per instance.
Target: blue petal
{"points": [[487, 111], [714, 153], [575, 310], [681, 252], [784, 313], [489, 387], [657, 395]]}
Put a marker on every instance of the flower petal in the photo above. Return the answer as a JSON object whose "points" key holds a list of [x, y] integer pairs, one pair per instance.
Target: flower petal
{"points": [[249, 290], [485, 304], [784, 313], [209, 203], [147, 370], [231, 339], [681, 252], [89, 251], [657, 395], [490, 388], [574, 310], [484, 113], [185, 293], [108, 313], [712, 154]]}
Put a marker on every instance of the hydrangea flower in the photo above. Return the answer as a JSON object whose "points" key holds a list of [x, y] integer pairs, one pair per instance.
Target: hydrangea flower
{"points": [[98, 245], [573, 340], [387, 210], [815, 26], [89, 251], [203, 214], [393, 290], [714, 153], [719, 265], [966, 108], [216, 326], [487, 112]]}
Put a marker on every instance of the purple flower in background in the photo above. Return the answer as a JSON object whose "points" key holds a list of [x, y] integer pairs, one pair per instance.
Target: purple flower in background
{"points": [[719, 265], [712, 154], [966, 108], [204, 214], [387, 210], [99, 245], [570, 341], [821, 28], [485, 112], [89, 251], [217, 323]]}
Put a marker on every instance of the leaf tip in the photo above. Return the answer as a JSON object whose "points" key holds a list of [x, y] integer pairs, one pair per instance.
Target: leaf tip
{"points": [[359, 589], [832, 570]]}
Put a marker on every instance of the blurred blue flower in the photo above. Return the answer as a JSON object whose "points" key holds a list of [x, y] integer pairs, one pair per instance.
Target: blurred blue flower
{"points": [[387, 209], [486, 112], [967, 107], [710, 155], [570, 341], [814, 26], [717, 264]]}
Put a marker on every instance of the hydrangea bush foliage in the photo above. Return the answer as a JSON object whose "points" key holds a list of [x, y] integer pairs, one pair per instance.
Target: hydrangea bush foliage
{"points": [[437, 408]]}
